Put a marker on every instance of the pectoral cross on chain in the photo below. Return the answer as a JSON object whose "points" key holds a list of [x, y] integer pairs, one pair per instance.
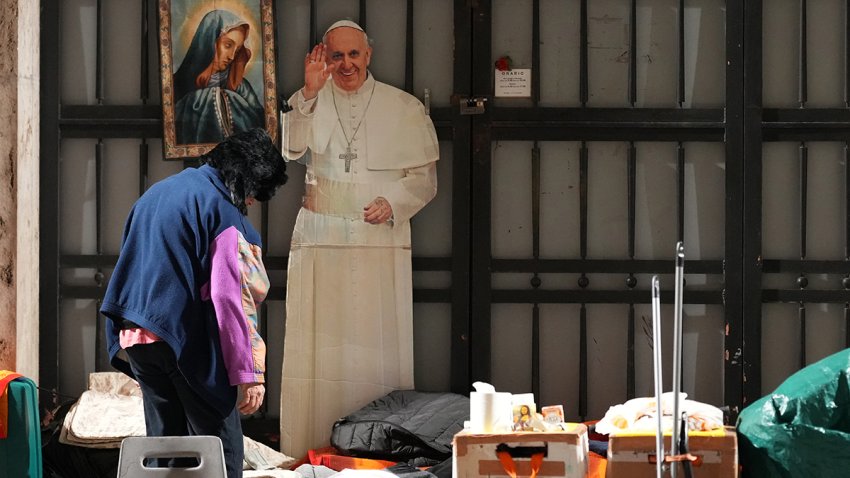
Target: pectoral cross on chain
{"points": [[348, 156]]}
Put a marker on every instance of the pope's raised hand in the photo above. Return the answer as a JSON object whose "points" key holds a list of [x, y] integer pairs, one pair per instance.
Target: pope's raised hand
{"points": [[316, 71]]}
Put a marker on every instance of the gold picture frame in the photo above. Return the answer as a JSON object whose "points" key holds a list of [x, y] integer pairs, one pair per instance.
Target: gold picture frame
{"points": [[217, 72]]}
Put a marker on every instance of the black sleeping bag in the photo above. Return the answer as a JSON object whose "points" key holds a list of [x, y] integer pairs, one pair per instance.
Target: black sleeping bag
{"points": [[402, 426]]}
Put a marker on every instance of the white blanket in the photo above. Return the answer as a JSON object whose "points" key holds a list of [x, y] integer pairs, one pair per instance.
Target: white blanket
{"points": [[111, 410]]}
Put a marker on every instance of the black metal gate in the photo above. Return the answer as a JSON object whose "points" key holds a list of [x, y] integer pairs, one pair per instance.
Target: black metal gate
{"points": [[582, 279], [566, 293]]}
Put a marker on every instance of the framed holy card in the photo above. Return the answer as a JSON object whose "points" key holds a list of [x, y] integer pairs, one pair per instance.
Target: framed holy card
{"points": [[217, 71]]}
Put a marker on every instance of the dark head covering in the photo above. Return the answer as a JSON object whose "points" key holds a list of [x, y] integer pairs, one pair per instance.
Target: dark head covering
{"points": [[202, 52], [250, 165]]}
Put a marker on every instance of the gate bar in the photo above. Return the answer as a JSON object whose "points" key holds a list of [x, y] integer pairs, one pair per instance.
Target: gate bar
{"points": [[98, 67], [583, 54], [631, 281], [144, 89], [804, 192], [847, 53], [681, 61], [633, 53], [803, 92], [680, 193], [408, 50]]}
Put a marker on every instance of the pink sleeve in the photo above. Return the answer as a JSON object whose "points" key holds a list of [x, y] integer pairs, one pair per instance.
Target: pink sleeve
{"points": [[225, 289]]}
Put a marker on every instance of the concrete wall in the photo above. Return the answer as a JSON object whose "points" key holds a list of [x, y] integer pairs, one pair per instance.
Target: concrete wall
{"points": [[19, 191]]}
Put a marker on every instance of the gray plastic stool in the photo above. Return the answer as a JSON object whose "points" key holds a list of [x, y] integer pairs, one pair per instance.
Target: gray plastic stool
{"points": [[207, 450]]}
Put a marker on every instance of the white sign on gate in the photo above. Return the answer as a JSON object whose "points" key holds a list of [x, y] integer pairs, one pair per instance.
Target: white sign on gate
{"points": [[513, 83]]}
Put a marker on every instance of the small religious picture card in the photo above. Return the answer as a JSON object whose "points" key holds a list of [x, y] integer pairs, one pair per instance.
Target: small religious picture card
{"points": [[515, 83], [523, 415], [553, 414]]}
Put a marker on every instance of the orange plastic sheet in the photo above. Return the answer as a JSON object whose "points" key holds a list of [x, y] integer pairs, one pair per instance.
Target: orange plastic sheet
{"points": [[596, 465], [327, 457], [6, 376]]}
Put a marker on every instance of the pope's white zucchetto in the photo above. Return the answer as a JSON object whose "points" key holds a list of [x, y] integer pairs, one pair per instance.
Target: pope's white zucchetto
{"points": [[344, 23]]}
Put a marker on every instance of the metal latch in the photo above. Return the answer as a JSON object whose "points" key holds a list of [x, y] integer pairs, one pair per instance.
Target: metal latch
{"points": [[471, 106]]}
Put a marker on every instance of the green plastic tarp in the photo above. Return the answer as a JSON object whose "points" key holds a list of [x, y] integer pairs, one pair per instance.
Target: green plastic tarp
{"points": [[802, 429]]}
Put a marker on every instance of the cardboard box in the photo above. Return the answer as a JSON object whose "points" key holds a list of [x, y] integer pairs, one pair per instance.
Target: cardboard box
{"points": [[629, 454], [565, 453]]}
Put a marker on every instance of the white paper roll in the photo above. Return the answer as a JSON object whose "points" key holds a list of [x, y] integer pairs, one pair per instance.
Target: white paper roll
{"points": [[490, 412]]}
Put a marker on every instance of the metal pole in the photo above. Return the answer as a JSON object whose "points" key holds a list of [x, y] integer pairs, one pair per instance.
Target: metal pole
{"points": [[656, 349], [677, 350]]}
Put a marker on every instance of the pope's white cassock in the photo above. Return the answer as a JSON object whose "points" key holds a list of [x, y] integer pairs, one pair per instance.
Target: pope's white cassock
{"points": [[349, 324]]}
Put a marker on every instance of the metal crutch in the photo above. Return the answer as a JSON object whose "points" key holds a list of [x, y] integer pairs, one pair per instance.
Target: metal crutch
{"points": [[656, 348], [677, 351]]}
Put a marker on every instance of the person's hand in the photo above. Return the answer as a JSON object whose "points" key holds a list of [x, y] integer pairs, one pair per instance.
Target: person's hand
{"points": [[251, 397], [316, 71], [378, 211]]}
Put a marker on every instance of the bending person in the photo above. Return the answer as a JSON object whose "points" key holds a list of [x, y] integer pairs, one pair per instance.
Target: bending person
{"points": [[371, 167], [182, 300]]}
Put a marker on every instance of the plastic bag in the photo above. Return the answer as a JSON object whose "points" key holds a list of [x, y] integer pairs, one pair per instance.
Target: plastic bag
{"points": [[803, 427]]}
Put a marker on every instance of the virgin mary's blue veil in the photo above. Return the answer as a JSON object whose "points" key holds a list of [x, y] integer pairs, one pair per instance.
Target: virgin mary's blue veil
{"points": [[202, 49]]}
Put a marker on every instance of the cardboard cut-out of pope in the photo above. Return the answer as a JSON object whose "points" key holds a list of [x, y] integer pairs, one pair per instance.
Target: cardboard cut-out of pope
{"points": [[370, 153]]}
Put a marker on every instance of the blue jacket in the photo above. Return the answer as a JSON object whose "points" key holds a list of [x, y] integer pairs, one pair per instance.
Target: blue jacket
{"points": [[163, 264]]}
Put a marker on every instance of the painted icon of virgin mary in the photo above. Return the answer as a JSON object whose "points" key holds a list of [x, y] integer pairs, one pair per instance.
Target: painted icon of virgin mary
{"points": [[213, 99]]}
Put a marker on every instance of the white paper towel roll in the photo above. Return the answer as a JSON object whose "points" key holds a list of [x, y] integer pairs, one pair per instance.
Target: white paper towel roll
{"points": [[490, 412]]}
